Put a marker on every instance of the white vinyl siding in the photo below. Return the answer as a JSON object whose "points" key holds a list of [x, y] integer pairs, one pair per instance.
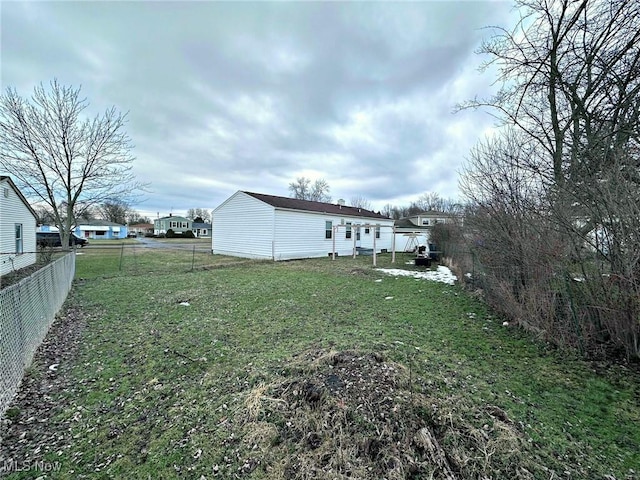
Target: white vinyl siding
{"points": [[300, 235], [15, 212], [243, 227]]}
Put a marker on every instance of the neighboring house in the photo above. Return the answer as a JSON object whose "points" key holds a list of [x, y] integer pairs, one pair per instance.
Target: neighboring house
{"points": [[17, 228], [415, 230], [255, 225], [201, 230], [141, 229], [429, 219], [409, 235], [101, 230], [94, 229], [179, 225]]}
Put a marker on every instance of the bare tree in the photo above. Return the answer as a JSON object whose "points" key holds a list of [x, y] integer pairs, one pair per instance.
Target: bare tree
{"points": [[199, 213], [114, 211], [430, 201], [387, 210], [568, 165], [570, 74], [60, 157], [317, 191], [44, 215], [134, 217], [360, 201]]}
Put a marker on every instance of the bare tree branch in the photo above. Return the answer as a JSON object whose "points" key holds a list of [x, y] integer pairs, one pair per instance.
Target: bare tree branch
{"points": [[60, 157]]}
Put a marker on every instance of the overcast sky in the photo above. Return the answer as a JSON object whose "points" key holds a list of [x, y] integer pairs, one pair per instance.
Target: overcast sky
{"points": [[227, 96]]}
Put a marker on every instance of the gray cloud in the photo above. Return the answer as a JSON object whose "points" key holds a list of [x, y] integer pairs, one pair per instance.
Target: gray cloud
{"points": [[248, 95]]}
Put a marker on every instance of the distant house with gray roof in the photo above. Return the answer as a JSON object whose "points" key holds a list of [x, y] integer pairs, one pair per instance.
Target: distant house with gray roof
{"points": [[201, 230]]}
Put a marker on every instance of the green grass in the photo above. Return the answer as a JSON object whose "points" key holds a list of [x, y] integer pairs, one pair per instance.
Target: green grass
{"points": [[156, 383]]}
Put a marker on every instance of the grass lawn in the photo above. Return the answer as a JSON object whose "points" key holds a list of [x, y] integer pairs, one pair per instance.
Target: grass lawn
{"points": [[316, 369]]}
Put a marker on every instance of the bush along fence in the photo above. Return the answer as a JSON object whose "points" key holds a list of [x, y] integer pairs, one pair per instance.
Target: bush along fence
{"points": [[27, 310], [585, 306]]}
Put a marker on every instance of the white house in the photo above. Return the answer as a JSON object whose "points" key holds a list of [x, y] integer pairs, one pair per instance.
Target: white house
{"points": [[254, 225], [415, 230], [17, 228]]}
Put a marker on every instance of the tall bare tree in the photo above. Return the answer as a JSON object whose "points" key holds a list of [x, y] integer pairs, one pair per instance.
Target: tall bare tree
{"points": [[61, 157], [317, 191], [114, 211], [201, 213], [570, 96], [430, 201], [134, 217], [570, 76], [44, 215], [360, 201]]}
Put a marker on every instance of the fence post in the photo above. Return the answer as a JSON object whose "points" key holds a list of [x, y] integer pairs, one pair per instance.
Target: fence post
{"points": [[193, 258], [121, 256]]}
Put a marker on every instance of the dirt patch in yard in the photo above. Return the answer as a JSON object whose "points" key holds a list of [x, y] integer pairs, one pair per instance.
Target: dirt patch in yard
{"points": [[327, 415], [28, 430], [356, 415]]}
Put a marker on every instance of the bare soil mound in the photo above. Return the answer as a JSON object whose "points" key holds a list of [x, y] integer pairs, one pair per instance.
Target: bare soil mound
{"points": [[354, 415]]}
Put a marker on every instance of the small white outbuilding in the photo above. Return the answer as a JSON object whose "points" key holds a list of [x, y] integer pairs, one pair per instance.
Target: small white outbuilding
{"points": [[17, 228], [255, 225]]}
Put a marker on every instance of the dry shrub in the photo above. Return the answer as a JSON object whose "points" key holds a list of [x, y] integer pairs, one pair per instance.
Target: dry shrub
{"points": [[356, 415]]}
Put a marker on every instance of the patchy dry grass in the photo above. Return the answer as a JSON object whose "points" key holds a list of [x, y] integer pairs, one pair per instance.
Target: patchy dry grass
{"points": [[308, 369]]}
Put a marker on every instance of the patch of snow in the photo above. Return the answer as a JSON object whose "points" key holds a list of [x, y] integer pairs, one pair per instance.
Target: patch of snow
{"points": [[578, 279], [388, 298], [378, 280], [184, 304], [442, 274], [505, 324]]}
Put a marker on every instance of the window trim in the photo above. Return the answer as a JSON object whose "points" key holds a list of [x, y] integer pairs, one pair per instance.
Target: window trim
{"points": [[19, 238]]}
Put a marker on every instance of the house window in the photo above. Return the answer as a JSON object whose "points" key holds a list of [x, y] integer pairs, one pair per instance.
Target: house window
{"points": [[203, 231], [377, 231], [348, 232], [425, 222], [366, 231], [328, 229], [19, 240], [173, 224], [184, 225]]}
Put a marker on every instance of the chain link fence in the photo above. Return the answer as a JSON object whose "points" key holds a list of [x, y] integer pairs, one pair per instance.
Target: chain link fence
{"points": [[27, 310]]}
